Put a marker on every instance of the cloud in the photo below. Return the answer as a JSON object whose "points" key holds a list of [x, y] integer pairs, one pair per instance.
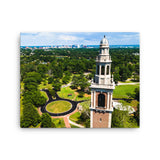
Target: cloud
{"points": [[86, 38], [68, 38]]}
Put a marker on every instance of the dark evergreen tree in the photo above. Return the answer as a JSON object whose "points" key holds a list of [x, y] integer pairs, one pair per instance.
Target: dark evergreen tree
{"points": [[46, 121], [30, 116]]}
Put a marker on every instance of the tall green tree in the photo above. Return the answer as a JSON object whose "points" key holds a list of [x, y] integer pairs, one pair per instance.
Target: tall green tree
{"points": [[122, 119], [57, 85], [46, 121], [42, 69], [30, 116]]}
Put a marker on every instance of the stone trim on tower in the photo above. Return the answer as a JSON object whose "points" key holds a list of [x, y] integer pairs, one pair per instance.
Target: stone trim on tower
{"points": [[102, 89]]}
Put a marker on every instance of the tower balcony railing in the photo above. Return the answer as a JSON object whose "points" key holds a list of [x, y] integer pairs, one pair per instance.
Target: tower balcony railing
{"points": [[108, 86], [104, 59], [102, 109]]}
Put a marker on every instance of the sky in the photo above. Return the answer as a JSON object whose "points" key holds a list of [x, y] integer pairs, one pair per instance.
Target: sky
{"points": [[71, 38]]}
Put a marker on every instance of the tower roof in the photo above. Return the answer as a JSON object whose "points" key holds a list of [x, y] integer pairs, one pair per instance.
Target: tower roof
{"points": [[104, 41]]}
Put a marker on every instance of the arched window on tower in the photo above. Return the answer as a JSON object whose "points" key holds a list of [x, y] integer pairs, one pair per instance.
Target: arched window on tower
{"points": [[97, 69], [107, 70], [101, 100], [102, 70]]}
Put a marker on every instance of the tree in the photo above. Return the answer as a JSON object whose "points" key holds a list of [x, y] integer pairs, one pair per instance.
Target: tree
{"points": [[122, 119], [124, 73], [52, 92], [42, 69], [46, 121], [30, 83], [30, 116], [116, 75], [57, 85], [75, 82], [50, 80], [137, 68], [26, 51], [83, 83], [80, 81], [66, 79], [136, 95], [34, 97], [137, 115], [81, 94], [87, 123], [124, 76], [34, 75]]}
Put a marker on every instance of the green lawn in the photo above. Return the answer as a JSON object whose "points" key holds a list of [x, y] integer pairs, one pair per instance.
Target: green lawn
{"points": [[132, 103], [74, 117], [123, 90], [65, 91], [82, 98], [59, 122], [43, 86], [73, 126], [58, 106], [128, 81]]}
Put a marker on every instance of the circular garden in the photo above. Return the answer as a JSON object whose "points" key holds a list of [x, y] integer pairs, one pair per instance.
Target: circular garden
{"points": [[59, 106]]}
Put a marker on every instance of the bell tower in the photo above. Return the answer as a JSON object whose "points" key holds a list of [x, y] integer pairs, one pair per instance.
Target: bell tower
{"points": [[102, 89]]}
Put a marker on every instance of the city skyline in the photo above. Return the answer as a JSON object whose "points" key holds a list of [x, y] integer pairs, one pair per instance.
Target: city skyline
{"points": [[71, 38]]}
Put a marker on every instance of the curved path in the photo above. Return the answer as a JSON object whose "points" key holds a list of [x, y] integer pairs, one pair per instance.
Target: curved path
{"points": [[74, 104], [78, 125]]}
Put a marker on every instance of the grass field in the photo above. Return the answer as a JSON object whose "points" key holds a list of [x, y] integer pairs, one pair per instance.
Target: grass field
{"points": [[58, 106], [65, 91], [43, 86], [132, 103], [73, 126], [123, 90], [85, 97], [128, 82], [74, 117], [59, 122]]}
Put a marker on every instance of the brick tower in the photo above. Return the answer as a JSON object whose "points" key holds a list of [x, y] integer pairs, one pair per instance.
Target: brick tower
{"points": [[102, 89]]}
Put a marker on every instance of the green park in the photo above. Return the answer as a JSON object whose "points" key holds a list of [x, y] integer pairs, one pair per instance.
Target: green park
{"points": [[52, 77]]}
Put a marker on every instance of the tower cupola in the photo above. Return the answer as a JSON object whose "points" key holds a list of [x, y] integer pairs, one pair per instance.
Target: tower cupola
{"points": [[104, 42]]}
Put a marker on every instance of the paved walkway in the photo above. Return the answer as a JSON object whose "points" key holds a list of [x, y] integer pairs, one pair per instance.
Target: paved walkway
{"points": [[66, 121], [75, 124], [66, 85]]}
